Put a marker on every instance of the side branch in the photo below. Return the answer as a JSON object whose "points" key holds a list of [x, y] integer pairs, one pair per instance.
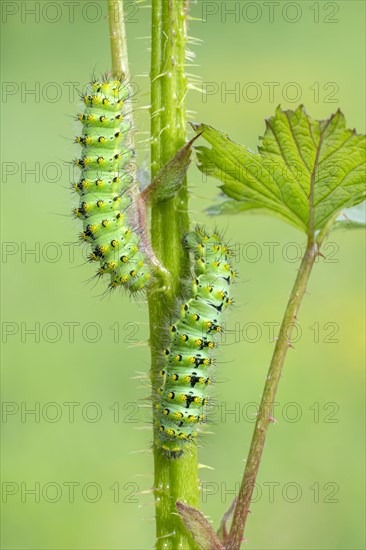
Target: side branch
{"points": [[117, 33]]}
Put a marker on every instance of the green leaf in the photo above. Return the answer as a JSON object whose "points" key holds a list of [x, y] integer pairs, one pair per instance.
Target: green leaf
{"points": [[232, 206], [305, 170], [169, 179], [199, 527]]}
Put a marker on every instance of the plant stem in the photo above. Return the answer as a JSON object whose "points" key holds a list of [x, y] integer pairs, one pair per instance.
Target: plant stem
{"points": [[120, 70], [269, 393], [174, 478], [117, 34]]}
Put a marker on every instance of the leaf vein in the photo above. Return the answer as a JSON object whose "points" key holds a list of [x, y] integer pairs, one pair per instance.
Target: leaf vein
{"points": [[296, 143], [284, 159]]}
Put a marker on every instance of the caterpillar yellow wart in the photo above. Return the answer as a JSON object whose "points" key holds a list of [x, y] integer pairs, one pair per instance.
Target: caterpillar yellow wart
{"points": [[187, 362], [105, 183]]}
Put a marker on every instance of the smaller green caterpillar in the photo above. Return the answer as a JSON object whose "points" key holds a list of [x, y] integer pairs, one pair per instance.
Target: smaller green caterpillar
{"points": [[187, 362], [104, 186]]}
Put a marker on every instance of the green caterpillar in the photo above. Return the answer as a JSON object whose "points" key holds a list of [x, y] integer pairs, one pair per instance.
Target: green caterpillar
{"points": [[105, 183], [187, 362]]}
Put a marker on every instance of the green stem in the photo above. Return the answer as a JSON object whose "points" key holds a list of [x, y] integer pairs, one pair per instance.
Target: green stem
{"points": [[265, 413], [120, 70], [117, 34], [175, 479]]}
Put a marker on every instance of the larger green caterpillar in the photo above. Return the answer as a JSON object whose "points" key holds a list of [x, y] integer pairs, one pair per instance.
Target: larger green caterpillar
{"points": [[105, 183], [188, 360]]}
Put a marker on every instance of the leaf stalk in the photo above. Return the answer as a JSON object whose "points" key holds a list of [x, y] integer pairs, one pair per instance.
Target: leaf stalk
{"points": [[265, 413]]}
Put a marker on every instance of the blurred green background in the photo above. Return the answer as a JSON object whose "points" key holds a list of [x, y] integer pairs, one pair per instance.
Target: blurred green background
{"points": [[86, 450]]}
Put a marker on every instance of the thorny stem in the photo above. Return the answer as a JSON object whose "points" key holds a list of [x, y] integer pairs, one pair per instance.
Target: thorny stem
{"points": [[174, 479], [265, 413]]}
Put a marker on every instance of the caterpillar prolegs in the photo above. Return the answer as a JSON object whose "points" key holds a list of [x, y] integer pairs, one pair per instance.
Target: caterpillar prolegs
{"points": [[105, 183], [187, 363]]}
